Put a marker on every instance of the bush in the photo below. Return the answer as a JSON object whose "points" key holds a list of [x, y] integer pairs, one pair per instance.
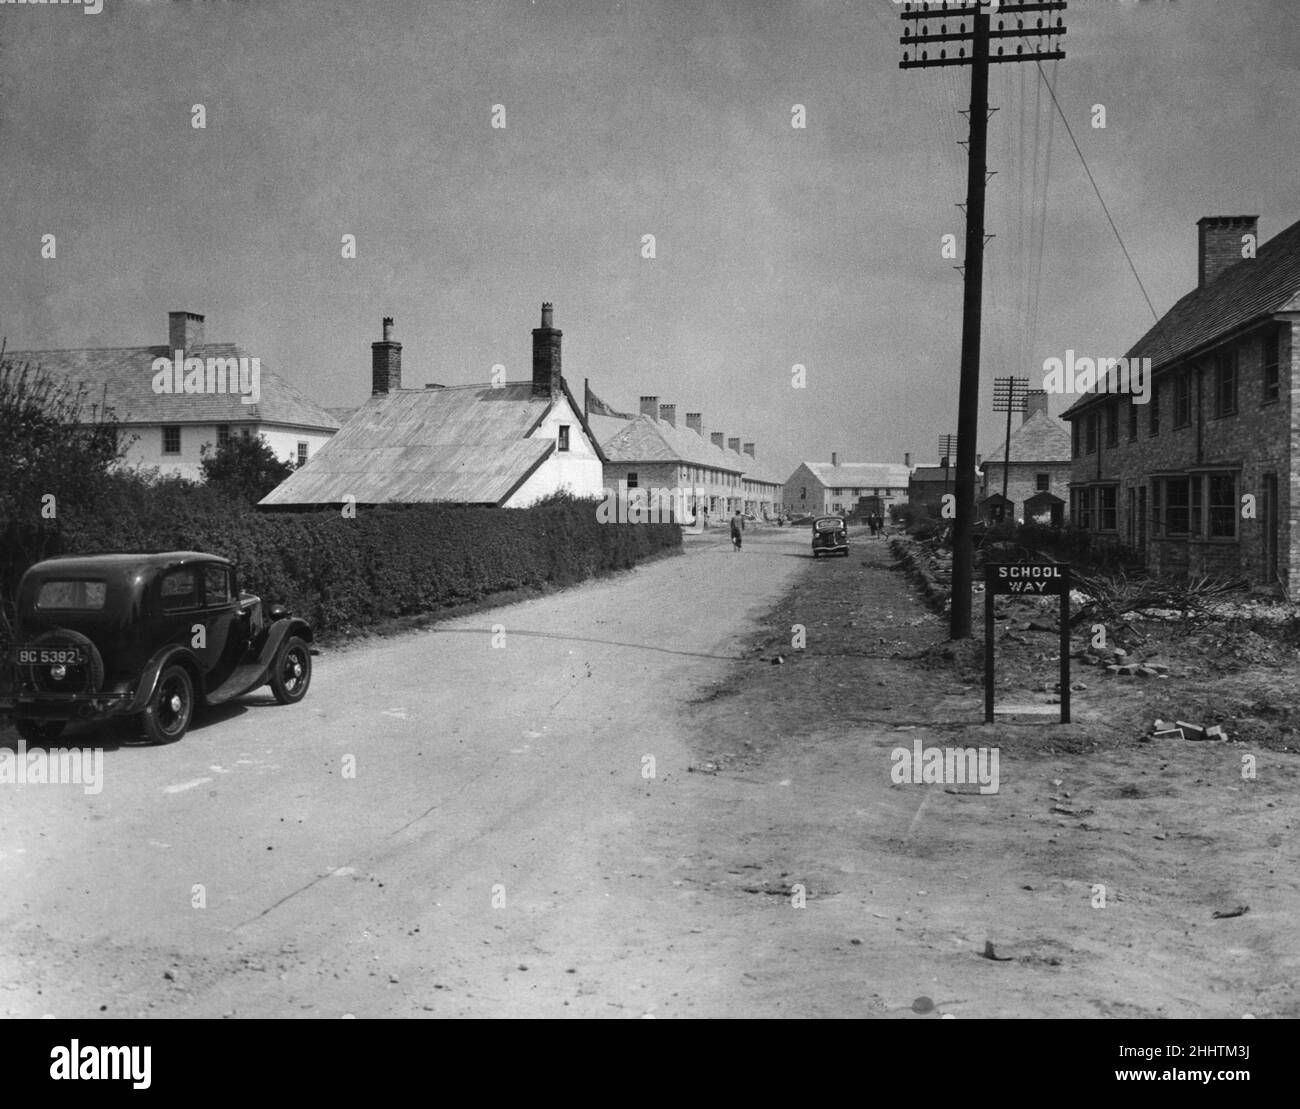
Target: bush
{"points": [[346, 573]]}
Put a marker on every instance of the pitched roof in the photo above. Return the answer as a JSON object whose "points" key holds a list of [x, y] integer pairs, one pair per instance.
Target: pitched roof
{"points": [[646, 439], [123, 376], [857, 475], [1252, 289], [933, 473], [464, 444], [1038, 439]]}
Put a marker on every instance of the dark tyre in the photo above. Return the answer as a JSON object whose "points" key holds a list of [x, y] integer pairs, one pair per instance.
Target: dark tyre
{"points": [[291, 671], [40, 731], [171, 707]]}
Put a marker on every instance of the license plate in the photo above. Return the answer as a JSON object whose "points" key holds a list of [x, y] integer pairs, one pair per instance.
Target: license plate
{"points": [[49, 656]]}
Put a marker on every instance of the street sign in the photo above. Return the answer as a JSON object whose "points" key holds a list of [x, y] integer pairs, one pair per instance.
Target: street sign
{"points": [[1034, 580]]}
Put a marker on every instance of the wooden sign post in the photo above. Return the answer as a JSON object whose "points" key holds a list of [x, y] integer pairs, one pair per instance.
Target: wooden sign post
{"points": [[1033, 580]]}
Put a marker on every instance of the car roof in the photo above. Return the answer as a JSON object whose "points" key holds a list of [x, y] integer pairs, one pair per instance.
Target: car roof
{"points": [[122, 563]]}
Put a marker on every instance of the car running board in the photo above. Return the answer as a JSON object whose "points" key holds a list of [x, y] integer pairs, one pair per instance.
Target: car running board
{"points": [[244, 679]]}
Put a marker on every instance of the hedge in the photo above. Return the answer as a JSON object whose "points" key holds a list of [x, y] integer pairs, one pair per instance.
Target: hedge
{"points": [[343, 573]]}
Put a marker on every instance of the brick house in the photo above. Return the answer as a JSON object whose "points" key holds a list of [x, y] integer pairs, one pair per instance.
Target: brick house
{"points": [[1038, 475], [1204, 478]]}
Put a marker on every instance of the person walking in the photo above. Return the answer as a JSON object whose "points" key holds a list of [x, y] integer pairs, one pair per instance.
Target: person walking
{"points": [[737, 526]]}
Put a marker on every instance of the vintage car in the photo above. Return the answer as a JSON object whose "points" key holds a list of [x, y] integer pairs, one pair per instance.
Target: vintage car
{"points": [[153, 635], [830, 535]]}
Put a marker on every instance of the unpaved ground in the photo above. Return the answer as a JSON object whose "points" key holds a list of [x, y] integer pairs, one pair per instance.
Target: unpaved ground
{"points": [[503, 849]]}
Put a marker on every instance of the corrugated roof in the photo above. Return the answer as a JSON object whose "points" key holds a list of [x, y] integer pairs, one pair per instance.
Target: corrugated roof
{"points": [[126, 374], [463, 444], [1039, 439], [1253, 289], [857, 475]]}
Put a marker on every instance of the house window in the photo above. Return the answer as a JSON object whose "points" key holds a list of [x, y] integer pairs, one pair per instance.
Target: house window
{"points": [[1225, 383], [1107, 503], [302, 452], [1182, 400], [1132, 420], [1270, 366], [1112, 424], [171, 440], [803, 492], [1042, 482], [631, 479], [1177, 506], [1090, 433], [1153, 411], [223, 435], [1222, 496], [564, 437], [1082, 508]]}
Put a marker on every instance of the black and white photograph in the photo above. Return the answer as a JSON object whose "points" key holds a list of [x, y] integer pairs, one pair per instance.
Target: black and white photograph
{"points": [[650, 509]]}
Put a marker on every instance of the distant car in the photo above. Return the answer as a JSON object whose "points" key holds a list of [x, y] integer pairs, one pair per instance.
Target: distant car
{"points": [[154, 635], [830, 535]]}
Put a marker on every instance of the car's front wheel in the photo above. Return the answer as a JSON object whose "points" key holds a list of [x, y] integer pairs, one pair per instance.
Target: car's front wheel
{"points": [[291, 671], [171, 707], [39, 731]]}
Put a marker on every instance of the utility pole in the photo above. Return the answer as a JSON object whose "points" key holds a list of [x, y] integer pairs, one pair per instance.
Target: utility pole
{"points": [[966, 23], [1009, 395]]}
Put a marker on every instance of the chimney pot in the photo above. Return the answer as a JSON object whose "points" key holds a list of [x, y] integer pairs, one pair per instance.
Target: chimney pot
{"points": [[907, 459], [547, 313], [184, 331], [1219, 244], [668, 413], [835, 459]]}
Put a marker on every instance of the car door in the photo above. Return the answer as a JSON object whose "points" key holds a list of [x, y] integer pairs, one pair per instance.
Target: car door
{"points": [[222, 621]]}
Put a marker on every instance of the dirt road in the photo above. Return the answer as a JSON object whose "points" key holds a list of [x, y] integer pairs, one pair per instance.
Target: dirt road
{"points": [[501, 849]]}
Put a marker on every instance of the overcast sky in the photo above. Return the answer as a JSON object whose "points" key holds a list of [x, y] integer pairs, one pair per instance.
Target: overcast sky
{"points": [[671, 118]]}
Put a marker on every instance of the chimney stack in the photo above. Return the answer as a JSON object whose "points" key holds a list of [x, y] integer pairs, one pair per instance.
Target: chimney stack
{"points": [[385, 362], [650, 407], [547, 381], [749, 449], [835, 459], [1219, 241], [907, 459], [668, 413], [716, 438], [733, 445], [695, 421], [184, 332], [1035, 401]]}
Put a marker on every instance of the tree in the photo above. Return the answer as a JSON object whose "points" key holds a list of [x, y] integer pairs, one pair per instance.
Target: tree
{"points": [[57, 451], [244, 468]]}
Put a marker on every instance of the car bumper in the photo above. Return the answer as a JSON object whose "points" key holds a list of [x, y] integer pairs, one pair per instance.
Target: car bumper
{"points": [[65, 706]]}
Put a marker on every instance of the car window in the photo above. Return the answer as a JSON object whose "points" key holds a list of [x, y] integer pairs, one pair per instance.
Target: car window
{"points": [[180, 590], [216, 585], [72, 594]]}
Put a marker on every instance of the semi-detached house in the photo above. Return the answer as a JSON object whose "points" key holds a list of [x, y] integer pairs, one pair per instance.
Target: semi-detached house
{"points": [[1204, 478]]}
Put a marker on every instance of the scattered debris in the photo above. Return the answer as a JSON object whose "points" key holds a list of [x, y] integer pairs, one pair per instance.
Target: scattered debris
{"points": [[922, 1004], [1228, 914], [989, 953]]}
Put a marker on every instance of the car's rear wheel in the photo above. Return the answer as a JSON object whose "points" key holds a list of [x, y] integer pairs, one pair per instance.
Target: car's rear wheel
{"points": [[171, 707], [291, 671], [39, 731]]}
